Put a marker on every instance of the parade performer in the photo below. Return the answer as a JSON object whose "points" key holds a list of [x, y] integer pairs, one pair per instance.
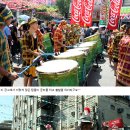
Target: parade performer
{"points": [[59, 37], [115, 48], [110, 46], [15, 47], [68, 35], [29, 50], [6, 75], [123, 67], [40, 37], [77, 33], [72, 34], [85, 123]]}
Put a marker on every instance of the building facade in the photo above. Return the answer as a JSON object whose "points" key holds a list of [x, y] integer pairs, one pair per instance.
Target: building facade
{"points": [[106, 108], [6, 125], [126, 2], [63, 112], [34, 113], [24, 115]]}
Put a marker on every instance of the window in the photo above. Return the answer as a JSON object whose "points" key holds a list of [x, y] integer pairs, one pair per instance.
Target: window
{"points": [[120, 110], [19, 116], [24, 126], [128, 116], [112, 107], [30, 124], [31, 108], [25, 100], [38, 104], [24, 114], [15, 119], [20, 103], [73, 114], [16, 107], [40, 121]]}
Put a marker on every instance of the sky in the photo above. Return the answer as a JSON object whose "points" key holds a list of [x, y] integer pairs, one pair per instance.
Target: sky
{"points": [[6, 108]]}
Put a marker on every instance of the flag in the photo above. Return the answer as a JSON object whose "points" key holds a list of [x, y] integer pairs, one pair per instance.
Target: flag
{"points": [[76, 11], [103, 13], [114, 14], [117, 123], [86, 12]]}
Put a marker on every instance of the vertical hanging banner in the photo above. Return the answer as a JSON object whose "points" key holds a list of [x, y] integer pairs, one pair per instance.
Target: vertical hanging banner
{"points": [[86, 12], [103, 12], [114, 14], [75, 11]]}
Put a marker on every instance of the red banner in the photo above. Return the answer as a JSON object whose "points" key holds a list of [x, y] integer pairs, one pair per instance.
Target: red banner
{"points": [[114, 14], [117, 123], [76, 11], [86, 12]]}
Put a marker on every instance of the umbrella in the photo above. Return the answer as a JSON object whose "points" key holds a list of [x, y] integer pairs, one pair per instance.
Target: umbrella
{"points": [[94, 27], [101, 26], [22, 23], [23, 18]]}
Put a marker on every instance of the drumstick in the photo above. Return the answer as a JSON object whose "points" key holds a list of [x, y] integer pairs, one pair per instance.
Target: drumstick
{"points": [[35, 60], [41, 51], [69, 47], [45, 54]]}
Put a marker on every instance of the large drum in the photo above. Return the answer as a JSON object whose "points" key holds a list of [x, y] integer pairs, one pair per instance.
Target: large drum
{"points": [[85, 50], [77, 56], [92, 47], [58, 73], [88, 59], [97, 38], [47, 43]]}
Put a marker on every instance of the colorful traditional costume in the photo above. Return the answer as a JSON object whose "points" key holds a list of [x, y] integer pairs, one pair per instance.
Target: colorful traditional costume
{"points": [[123, 68], [110, 46], [68, 36], [29, 43], [116, 41], [40, 39], [5, 14], [58, 37]]}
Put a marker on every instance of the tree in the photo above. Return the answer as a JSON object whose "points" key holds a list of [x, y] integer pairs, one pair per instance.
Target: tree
{"points": [[63, 6]]}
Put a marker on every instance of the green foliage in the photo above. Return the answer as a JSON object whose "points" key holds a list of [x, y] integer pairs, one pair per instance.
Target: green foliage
{"points": [[63, 6], [45, 8]]}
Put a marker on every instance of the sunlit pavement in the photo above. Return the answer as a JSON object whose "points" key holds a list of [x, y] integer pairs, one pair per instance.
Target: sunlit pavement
{"points": [[102, 76]]}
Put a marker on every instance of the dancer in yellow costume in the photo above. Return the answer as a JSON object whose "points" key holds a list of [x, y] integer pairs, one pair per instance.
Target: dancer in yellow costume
{"points": [[29, 50]]}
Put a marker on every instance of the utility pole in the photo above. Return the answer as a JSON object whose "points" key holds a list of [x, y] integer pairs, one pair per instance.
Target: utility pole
{"points": [[82, 103], [76, 108], [60, 114], [68, 114]]}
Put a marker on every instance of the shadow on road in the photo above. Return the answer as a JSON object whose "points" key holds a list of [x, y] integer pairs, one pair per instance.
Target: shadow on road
{"points": [[93, 78]]}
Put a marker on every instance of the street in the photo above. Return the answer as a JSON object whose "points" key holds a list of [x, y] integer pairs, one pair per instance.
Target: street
{"points": [[102, 76]]}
